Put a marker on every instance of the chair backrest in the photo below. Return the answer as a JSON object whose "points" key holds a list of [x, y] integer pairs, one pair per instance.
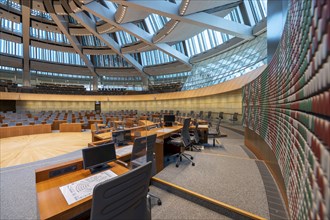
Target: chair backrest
{"points": [[143, 150], [217, 128], [209, 114], [96, 127], [123, 197], [221, 115], [185, 132], [235, 116]]}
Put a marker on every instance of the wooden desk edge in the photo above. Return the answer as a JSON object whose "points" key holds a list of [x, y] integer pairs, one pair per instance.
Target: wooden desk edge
{"points": [[44, 173]]}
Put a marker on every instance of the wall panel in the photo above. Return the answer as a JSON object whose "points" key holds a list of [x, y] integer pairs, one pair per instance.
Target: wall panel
{"points": [[288, 106], [36, 106], [229, 102]]}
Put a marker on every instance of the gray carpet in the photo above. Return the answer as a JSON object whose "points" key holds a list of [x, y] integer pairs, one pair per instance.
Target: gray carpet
{"points": [[18, 192], [174, 207], [232, 145], [231, 180]]}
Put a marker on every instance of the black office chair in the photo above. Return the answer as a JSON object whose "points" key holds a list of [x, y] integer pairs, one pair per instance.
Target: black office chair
{"points": [[123, 197], [195, 137], [214, 133], [220, 115], [200, 115], [183, 142], [209, 118], [234, 118], [143, 152]]}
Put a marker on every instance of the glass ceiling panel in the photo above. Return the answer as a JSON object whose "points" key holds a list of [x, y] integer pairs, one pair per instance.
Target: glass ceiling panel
{"points": [[229, 65], [155, 22]]}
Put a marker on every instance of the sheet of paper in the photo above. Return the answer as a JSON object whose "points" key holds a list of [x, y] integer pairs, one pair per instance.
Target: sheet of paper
{"points": [[83, 188], [203, 126], [165, 130], [124, 150]]}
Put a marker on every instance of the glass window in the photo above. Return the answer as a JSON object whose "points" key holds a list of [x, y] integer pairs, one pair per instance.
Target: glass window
{"points": [[155, 22], [11, 48], [55, 56], [229, 65]]}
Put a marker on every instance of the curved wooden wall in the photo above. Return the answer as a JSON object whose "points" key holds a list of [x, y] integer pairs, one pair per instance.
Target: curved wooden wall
{"points": [[225, 97], [288, 108], [224, 87]]}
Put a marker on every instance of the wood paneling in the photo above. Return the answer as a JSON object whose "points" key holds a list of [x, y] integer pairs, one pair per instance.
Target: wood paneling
{"points": [[73, 127], [225, 97], [225, 87], [24, 130]]}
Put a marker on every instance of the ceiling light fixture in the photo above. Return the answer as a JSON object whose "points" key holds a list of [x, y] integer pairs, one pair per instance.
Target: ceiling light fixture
{"points": [[184, 8]]}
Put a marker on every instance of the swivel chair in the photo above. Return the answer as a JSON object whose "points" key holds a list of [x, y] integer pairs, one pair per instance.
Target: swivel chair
{"points": [[143, 152], [214, 133], [183, 142], [235, 117], [195, 137]]}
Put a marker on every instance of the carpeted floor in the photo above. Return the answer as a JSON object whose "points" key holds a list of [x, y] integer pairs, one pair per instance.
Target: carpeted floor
{"points": [[17, 188], [175, 207]]}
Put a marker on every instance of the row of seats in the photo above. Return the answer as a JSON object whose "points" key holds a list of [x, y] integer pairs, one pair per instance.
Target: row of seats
{"points": [[7, 86], [165, 87]]}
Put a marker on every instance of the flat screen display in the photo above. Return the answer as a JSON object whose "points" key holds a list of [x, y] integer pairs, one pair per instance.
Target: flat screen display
{"points": [[98, 156], [169, 118]]}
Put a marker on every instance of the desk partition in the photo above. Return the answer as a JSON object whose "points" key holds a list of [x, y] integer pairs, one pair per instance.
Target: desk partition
{"points": [[24, 130]]}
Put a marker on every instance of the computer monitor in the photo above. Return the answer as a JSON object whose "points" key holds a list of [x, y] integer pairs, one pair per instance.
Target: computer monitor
{"points": [[121, 137], [169, 120], [97, 158]]}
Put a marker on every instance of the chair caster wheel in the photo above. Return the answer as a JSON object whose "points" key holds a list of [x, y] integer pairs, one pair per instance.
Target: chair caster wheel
{"points": [[177, 165], [193, 164], [192, 158], [159, 202]]}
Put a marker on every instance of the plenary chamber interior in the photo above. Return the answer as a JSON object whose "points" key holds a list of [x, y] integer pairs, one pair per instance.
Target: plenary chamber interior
{"points": [[165, 109]]}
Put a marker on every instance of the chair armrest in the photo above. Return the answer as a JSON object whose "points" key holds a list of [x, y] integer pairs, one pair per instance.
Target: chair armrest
{"points": [[175, 135], [122, 163]]}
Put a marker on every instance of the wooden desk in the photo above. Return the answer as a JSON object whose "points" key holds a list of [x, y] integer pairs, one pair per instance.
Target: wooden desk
{"points": [[162, 134], [24, 130], [141, 131], [204, 130], [92, 121], [72, 127], [56, 124], [146, 122], [51, 202], [202, 122], [101, 126], [108, 135]]}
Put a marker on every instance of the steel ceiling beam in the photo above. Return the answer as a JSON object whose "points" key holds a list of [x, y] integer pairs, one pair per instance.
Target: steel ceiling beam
{"points": [[63, 25], [90, 25], [108, 15], [202, 19], [26, 6]]}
